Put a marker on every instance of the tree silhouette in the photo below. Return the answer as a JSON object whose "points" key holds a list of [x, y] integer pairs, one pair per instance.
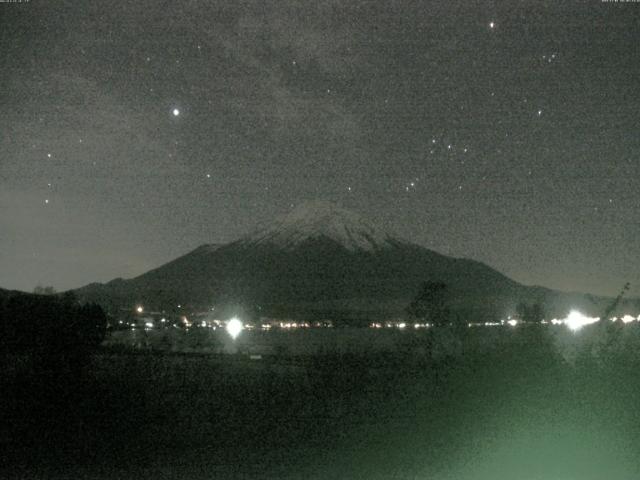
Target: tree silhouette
{"points": [[430, 305], [530, 313], [50, 324]]}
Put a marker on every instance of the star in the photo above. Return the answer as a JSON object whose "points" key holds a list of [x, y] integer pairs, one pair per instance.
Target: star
{"points": [[539, 112], [48, 155], [492, 25], [208, 175], [46, 201], [176, 112]]}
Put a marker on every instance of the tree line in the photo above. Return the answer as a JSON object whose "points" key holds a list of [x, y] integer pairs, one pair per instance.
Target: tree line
{"points": [[49, 324]]}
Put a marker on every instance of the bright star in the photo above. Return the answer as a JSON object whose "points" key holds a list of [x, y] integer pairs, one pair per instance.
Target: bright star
{"points": [[492, 25], [176, 112]]}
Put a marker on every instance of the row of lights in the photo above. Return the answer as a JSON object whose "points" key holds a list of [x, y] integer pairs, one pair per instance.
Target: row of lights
{"points": [[574, 321], [400, 325]]}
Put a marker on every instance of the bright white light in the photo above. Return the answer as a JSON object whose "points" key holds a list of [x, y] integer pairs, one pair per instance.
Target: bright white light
{"points": [[234, 327], [149, 324], [628, 319], [492, 24], [576, 320], [402, 325], [176, 112], [513, 322], [139, 309]]}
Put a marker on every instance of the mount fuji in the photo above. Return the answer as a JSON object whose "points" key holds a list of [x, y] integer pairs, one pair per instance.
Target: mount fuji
{"points": [[322, 261], [322, 220]]}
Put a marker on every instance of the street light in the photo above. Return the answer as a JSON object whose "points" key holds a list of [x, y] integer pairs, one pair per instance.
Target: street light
{"points": [[234, 327]]}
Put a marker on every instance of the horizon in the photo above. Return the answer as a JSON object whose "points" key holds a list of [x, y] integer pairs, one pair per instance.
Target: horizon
{"points": [[286, 215], [311, 208]]}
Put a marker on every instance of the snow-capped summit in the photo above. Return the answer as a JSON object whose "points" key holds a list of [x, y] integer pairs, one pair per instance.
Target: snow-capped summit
{"points": [[322, 220]]}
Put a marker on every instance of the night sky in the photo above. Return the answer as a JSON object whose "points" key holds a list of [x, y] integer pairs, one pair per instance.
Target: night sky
{"points": [[507, 132]]}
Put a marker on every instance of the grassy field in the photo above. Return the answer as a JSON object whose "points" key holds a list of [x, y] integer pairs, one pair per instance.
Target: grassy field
{"points": [[525, 404]]}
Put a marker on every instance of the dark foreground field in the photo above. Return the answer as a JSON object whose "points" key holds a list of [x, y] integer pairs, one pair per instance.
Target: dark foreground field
{"points": [[518, 410]]}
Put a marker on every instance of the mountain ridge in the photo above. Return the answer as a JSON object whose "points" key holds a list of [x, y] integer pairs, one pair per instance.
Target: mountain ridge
{"points": [[321, 260]]}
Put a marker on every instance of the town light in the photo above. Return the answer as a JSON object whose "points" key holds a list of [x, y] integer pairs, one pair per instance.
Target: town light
{"points": [[234, 327], [576, 320], [139, 309]]}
